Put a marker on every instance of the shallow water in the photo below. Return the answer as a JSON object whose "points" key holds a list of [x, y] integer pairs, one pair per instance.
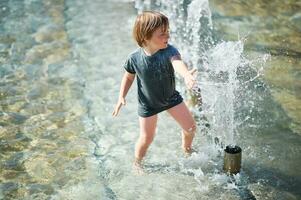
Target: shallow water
{"points": [[60, 74]]}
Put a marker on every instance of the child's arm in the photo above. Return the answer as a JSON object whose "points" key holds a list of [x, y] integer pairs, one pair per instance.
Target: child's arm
{"points": [[126, 83], [181, 68]]}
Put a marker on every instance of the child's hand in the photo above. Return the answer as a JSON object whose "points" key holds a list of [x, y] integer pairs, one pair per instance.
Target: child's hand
{"points": [[121, 101], [190, 78]]}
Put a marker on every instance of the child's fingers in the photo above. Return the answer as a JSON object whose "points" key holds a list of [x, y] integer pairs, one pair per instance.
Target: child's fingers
{"points": [[193, 71], [192, 84], [117, 108], [115, 112]]}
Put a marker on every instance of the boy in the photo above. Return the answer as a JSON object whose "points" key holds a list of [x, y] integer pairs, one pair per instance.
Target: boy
{"points": [[154, 63]]}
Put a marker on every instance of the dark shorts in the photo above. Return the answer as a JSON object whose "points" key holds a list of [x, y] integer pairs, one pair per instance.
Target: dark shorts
{"points": [[147, 112]]}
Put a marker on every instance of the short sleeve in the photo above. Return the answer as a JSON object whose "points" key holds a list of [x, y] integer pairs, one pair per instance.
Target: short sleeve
{"points": [[174, 54], [129, 65]]}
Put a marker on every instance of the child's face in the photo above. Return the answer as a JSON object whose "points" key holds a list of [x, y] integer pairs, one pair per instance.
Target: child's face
{"points": [[159, 38]]}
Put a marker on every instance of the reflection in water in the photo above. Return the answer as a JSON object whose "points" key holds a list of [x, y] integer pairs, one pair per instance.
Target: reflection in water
{"points": [[60, 71]]}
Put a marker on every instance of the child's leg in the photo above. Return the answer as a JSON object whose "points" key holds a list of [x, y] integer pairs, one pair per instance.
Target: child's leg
{"points": [[184, 117], [147, 133]]}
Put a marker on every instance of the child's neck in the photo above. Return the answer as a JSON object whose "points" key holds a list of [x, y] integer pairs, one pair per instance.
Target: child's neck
{"points": [[149, 50]]}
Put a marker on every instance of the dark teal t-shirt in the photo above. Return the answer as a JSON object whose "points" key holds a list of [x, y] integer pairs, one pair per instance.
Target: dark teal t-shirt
{"points": [[155, 80]]}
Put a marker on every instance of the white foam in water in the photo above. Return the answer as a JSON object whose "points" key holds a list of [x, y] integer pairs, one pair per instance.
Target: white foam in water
{"points": [[219, 179], [230, 186]]}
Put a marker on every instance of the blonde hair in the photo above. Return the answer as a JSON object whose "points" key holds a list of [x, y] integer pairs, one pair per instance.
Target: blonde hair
{"points": [[146, 23]]}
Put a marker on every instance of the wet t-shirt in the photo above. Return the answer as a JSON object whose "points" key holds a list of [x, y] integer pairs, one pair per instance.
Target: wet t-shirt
{"points": [[155, 79]]}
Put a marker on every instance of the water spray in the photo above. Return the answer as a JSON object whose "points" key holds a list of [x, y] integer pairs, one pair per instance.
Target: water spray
{"points": [[232, 153]]}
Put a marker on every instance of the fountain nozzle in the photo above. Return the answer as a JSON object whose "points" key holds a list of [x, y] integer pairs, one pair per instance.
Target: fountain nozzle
{"points": [[232, 159]]}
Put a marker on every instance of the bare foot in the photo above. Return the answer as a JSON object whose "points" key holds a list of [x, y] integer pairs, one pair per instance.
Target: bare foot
{"points": [[188, 151], [137, 167]]}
